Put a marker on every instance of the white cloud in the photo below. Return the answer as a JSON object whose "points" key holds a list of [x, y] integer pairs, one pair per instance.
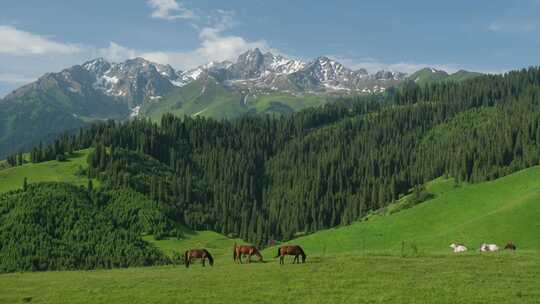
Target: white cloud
{"points": [[170, 10], [214, 46], [20, 43], [494, 27], [116, 52]]}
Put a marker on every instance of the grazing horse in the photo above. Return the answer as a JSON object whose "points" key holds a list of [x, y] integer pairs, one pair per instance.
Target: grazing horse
{"points": [[458, 247], [510, 246], [243, 250], [198, 254], [291, 250], [489, 247]]}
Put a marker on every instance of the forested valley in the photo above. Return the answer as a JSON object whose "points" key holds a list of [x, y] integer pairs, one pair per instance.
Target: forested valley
{"points": [[271, 178]]}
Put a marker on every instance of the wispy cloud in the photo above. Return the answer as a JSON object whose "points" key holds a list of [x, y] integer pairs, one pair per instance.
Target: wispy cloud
{"points": [[115, 52], [170, 10], [494, 27], [513, 26], [22, 43]]}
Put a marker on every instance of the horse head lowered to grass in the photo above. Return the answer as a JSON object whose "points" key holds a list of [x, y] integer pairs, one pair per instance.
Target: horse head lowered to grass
{"points": [[243, 250], [295, 250], [202, 254]]}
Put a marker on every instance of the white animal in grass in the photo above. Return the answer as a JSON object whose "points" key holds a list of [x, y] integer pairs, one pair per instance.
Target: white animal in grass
{"points": [[458, 247], [489, 247]]}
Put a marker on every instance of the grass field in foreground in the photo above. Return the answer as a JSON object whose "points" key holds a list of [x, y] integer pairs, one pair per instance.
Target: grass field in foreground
{"points": [[50, 171], [469, 278]]}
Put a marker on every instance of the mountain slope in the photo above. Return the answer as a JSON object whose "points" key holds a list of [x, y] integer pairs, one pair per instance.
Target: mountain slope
{"points": [[208, 97]]}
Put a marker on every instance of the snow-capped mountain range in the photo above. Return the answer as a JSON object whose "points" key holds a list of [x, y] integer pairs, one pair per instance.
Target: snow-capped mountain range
{"points": [[98, 88], [139, 80], [258, 70]]}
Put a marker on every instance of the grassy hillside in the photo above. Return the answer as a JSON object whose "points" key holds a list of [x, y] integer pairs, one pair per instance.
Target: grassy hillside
{"points": [[51, 171], [494, 212], [429, 75], [207, 98]]}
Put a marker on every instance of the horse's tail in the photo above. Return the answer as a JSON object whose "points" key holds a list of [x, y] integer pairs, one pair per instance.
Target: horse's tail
{"points": [[234, 252], [186, 260], [209, 256]]}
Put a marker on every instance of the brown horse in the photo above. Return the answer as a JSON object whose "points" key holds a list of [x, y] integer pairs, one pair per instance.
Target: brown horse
{"points": [[243, 250], [291, 250], [198, 254], [510, 246]]}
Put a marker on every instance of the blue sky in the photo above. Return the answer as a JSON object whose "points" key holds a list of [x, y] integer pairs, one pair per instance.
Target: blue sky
{"points": [[39, 36]]}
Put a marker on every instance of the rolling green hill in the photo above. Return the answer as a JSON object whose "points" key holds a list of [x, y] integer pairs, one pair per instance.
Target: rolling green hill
{"points": [[498, 211], [51, 171], [430, 75]]}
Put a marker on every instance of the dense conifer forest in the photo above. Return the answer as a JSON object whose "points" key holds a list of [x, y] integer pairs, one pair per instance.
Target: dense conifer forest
{"points": [[266, 178], [57, 226]]}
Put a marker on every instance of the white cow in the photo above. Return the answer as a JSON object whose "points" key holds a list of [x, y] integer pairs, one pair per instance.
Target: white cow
{"points": [[458, 247], [489, 247]]}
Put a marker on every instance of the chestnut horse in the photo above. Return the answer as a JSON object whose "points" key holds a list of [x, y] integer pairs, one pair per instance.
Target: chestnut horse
{"points": [[243, 250], [510, 246], [198, 254], [291, 250]]}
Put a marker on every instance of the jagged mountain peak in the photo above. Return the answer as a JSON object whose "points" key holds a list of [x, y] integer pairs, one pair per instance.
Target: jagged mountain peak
{"points": [[97, 66]]}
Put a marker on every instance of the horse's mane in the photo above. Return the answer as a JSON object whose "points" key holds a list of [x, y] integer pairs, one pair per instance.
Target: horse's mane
{"points": [[209, 256]]}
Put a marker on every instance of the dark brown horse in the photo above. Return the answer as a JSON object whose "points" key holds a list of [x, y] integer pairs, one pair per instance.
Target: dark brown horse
{"points": [[243, 250], [510, 246], [198, 254], [291, 250]]}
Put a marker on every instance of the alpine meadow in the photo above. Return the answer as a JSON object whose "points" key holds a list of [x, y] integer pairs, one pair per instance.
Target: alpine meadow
{"points": [[166, 151]]}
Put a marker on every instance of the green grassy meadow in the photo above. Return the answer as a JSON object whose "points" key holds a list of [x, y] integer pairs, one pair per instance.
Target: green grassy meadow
{"points": [[347, 278], [393, 256], [12, 178]]}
